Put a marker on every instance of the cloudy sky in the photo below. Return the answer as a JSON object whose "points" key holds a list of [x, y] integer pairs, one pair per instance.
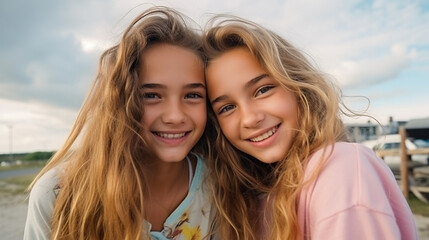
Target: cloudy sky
{"points": [[49, 51]]}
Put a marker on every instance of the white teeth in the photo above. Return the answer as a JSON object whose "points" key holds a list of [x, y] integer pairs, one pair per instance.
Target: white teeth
{"points": [[265, 135], [171, 135]]}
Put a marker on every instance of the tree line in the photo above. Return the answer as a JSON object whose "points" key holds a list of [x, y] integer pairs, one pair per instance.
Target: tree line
{"points": [[33, 156]]}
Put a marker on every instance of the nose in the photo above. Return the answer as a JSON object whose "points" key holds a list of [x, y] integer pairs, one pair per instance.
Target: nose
{"points": [[251, 117], [174, 113]]}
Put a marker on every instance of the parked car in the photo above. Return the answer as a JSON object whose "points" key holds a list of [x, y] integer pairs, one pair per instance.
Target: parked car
{"points": [[421, 143], [393, 141]]}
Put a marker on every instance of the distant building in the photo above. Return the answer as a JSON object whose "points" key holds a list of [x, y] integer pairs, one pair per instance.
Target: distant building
{"points": [[393, 126], [418, 128], [359, 132]]}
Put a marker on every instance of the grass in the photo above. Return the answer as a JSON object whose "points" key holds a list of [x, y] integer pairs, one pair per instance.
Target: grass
{"points": [[16, 185], [417, 206], [21, 181]]}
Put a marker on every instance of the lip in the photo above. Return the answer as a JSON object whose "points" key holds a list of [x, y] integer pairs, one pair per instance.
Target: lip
{"points": [[272, 132], [171, 138]]}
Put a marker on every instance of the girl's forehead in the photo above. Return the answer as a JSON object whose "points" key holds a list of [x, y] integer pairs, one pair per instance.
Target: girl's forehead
{"points": [[169, 65], [236, 63]]}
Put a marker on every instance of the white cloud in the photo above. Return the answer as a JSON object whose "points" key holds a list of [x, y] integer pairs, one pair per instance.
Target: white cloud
{"points": [[38, 74], [373, 69], [35, 127], [356, 41], [91, 45], [49, 55]]}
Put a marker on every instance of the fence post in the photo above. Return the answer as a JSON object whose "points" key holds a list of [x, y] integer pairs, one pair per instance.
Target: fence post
{"points": [[404, 162]]}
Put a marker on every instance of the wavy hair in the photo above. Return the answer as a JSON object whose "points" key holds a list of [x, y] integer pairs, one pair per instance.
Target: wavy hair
{"points": [[102, 185], [241, 180]]}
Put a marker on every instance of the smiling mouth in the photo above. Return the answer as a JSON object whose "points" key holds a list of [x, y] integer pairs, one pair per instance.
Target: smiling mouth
{"points": [[170, 135], [266, 135]]}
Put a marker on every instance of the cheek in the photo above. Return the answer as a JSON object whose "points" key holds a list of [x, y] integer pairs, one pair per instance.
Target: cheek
{"points": [[289, 107], [229, 129], [199, 116], [293, 112], [150, 114]]}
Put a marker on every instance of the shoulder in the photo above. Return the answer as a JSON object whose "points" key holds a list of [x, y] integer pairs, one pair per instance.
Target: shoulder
{"points": [[351, 176], [41, 205], [46, 185], [44, 192], [348, 159], [353, 188]]}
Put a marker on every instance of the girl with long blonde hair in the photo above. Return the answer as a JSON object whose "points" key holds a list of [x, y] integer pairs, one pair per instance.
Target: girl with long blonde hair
{"points": [[132, 166], [283, 166]]}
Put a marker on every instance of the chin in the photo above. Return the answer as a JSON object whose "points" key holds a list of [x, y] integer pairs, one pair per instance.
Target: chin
{"points": [[173, 157], [269, 159]]}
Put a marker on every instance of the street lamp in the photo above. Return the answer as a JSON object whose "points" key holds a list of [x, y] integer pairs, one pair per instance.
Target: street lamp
{"points": [[10, 142]]}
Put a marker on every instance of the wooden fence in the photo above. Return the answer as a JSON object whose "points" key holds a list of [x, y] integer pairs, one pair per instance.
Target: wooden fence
{"points": [[407, 167]]}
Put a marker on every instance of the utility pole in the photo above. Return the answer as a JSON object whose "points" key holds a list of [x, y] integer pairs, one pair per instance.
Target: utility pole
{"points": [[10, 142]]}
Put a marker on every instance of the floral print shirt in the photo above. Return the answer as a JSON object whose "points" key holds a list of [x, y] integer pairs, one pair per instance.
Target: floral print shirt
{"points": [[191, 220]]}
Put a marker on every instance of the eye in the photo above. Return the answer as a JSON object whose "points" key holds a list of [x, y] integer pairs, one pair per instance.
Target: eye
{"points": [[151, 95], [194, 95], [226, 108], [264, 89]]}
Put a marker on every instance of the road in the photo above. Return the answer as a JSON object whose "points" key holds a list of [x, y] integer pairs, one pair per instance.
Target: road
{"points": [[18, 172], [13, 206]]}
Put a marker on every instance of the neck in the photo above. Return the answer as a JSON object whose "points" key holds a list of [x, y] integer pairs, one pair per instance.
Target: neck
{"points": [[165, 176], [167, 186]]}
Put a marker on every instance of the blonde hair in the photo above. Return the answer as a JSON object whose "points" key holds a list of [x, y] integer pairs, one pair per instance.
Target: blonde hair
{"points": [[240, 179], [101, 188]]}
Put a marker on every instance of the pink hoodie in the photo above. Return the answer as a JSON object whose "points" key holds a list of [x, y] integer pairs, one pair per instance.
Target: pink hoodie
{"points": [[355, 196]]}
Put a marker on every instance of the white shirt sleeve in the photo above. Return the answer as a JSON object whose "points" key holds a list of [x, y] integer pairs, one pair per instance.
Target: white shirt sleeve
{"points": [[40, 207]]}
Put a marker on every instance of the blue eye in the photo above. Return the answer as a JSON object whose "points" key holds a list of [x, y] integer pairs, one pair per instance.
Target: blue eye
{"points": [[264, 89], [193, 95], [226, 108]]}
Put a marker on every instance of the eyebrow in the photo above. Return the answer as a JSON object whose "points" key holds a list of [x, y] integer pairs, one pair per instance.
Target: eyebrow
{"points": [[255, 80], [249, 84], [152, 85], [195, 85], [161, 86]]}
